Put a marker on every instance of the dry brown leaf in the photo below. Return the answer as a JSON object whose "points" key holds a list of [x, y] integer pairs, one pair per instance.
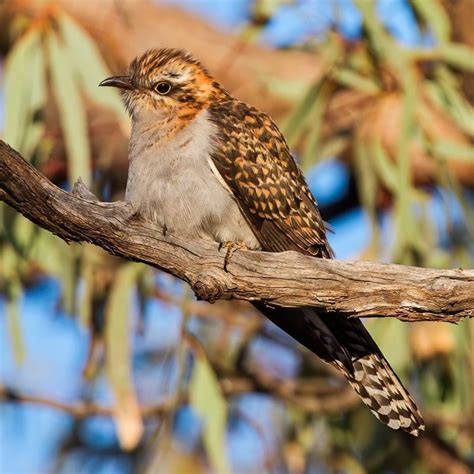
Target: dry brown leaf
{"points": [[430, 339], [129, 422]]}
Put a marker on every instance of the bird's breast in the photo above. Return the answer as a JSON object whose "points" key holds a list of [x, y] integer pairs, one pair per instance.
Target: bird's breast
{"points": [[173, 183]]}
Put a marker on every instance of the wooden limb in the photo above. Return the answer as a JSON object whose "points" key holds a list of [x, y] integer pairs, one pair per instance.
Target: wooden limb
{"points": [[338, 399], [289, 279]]}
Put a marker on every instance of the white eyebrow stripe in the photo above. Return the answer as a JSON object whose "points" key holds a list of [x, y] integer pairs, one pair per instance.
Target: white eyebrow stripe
{"points": [[177, 78], [173, 75]]}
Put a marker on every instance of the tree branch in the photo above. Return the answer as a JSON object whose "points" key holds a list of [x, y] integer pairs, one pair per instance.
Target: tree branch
{"points": [[356, 289], [336, 400]]}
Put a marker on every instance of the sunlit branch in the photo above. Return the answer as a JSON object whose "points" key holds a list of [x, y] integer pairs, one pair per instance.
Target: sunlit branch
{"points": [[83, 409], [336, 400], [289, 279]]}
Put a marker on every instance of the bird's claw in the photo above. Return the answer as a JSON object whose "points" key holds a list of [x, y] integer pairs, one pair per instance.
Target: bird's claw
{"points": [[231, 247]]}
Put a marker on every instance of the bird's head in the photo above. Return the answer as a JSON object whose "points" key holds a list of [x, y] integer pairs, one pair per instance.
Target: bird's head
{"points": [[165, 84]]}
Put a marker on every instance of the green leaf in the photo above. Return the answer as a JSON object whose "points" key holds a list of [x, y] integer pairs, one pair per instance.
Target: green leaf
{"points": [[55, 257], [289, 90], [406, 229], [298, 118], [14, 325], [87, 274], [367, 185], [266, 8], [446, 93], [435, 17], [333, 146], [16, 105], [36, 91], [207, 400], [25, 93], [24, 232], [118, 352], [310, 154], [458, 55], [9, 265], [354, 80], [447, 179], [391, 336], [71, 111], [385, 167], [89, 66], [452, 150], [296, 124], [381, 42]]}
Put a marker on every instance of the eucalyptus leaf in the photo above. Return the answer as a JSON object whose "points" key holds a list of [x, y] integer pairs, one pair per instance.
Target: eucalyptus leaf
{"points": [[381, 42], [9, 266], [289, 90], [452, 183], [299, 117], [367, 186], [24, 93], [267, 8], [207, 400], [406, 229], [354, 80], [458, 55], [89, 66], [311, 151], [118, 352], [85, 305], [435, 17], [446, 92], [71, 110], [296, 124], [453, 150], [391, 336], [24, 232], [36, 91], [58, 259], [14, 324], [333, 146], [385, 167]]}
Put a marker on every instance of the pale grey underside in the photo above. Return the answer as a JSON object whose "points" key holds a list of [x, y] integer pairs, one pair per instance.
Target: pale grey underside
{"points": [[173, 183]]}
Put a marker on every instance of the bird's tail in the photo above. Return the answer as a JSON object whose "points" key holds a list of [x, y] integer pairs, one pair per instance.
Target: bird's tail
{"points": [[347, 345]]}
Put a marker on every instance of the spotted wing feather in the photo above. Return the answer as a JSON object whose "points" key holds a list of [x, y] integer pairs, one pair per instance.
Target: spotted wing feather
{"points": [[254, 159]]}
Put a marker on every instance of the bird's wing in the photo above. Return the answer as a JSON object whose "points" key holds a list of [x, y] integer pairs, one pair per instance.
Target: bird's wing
{"points": [[253, 158]]}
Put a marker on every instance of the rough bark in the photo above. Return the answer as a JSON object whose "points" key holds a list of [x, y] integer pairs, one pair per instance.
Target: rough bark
{"points": [[356, 289]]}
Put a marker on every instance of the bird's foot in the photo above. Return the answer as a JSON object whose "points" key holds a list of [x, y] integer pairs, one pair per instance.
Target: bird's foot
{"points": [[231, 247]]}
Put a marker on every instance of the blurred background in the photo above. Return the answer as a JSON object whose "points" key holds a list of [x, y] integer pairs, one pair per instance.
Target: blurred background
{"points": [[108, 366]]}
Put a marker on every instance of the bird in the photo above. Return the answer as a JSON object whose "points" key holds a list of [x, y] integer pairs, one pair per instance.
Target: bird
{"points": [[205, 165]]}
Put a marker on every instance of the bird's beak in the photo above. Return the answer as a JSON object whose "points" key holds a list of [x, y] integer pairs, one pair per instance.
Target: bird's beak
{"points": [[122, 82]]}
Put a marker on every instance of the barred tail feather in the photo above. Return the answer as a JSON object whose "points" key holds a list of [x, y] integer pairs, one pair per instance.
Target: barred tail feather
{"points": [[372, 377], [380, 389], [346, 344]]}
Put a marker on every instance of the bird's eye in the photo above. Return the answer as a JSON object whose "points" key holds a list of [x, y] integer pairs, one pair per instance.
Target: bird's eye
{"points": [[162, 87]]}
